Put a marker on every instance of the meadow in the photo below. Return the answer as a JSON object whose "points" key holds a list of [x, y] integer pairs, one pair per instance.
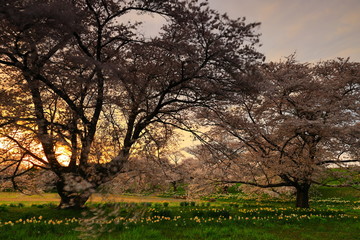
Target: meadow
{"points": [[146, 217]]}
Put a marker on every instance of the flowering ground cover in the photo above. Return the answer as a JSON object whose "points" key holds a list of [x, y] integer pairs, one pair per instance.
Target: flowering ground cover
{"points": [[246, 218]]}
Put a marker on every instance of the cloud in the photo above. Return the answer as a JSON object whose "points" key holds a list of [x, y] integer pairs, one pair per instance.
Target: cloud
{"points": [[314, 29], [151, 23]]}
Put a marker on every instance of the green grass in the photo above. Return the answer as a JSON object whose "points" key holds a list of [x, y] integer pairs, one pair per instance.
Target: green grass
{"points": [[313, 229], [343, 193], [231, 218], [270, 231], [38, 231]]}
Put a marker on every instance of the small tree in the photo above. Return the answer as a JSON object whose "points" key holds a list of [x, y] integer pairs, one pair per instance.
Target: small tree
{"points": [[303, 118]]}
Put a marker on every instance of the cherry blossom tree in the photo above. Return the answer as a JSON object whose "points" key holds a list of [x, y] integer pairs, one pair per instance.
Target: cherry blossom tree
{"points": [[303, 120], [84, 68]]}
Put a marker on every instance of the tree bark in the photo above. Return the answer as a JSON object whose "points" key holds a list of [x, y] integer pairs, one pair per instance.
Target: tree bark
{"points": [[73, 200], [73, 194], [302, 195]]}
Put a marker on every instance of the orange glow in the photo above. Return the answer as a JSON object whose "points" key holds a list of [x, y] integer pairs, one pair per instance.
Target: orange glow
{"points": [[8, 147], [63, 155]]}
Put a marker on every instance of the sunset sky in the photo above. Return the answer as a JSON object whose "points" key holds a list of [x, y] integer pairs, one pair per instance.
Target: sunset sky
{"points": [[314, 29]]}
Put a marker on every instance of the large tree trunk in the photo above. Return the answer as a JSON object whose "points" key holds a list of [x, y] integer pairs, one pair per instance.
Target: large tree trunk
{"points": [[73, 200], [74, 191], [302, 195]]}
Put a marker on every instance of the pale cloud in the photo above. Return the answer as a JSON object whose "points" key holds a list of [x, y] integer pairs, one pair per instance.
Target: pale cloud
{"points": [[151, 23], [316, 29], [349, 22], [268, 10]]}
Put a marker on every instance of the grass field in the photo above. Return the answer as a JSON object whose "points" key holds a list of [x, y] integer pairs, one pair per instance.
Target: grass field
{"points": [[147, 217]]}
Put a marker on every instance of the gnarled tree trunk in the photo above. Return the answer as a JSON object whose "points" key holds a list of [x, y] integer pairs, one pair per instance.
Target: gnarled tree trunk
{"points": [[71, 200], [74, 191], [75, 188]]}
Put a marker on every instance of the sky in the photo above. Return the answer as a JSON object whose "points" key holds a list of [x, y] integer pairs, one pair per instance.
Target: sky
{"points": [[314, 29]]}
